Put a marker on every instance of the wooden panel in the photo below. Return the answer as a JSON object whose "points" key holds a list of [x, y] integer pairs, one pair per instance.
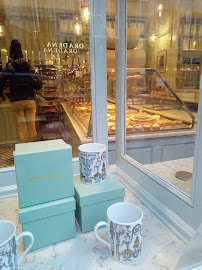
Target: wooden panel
{"points": [[157, 154], [163, 148], [142, 155], [2, 129], [12, 128], [6, 123], [112, 157], [8, 131], [177, 151]]}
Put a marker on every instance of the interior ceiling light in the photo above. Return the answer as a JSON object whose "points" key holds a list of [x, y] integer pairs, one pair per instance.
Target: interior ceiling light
{"points": [[77, 27], [84, 11], [153, 38], [2, 30], [160, 7]]}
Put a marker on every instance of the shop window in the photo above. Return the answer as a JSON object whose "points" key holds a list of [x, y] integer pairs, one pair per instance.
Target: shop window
{"points": [[55, 45], [158, 106], [158, 122], [163, 56]]}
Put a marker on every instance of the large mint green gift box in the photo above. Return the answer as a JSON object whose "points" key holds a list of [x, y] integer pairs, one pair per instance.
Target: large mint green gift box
{"points": [[92, 201], [50, 222], [44, 171]]}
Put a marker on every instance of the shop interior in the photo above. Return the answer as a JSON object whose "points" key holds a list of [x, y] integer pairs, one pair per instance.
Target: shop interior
{"points": [[164, 46]]}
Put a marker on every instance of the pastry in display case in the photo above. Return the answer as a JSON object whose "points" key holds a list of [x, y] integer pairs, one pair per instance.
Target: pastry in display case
{"points": [[153, 108], [138, 121]]}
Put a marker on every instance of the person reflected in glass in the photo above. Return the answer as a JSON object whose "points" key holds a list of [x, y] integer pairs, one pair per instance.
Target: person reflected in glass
{"points": [[19, 77]]}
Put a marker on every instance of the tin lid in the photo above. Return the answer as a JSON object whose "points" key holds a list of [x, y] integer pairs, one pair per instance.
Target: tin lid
{"points": [[110, 189], [44, 210]]}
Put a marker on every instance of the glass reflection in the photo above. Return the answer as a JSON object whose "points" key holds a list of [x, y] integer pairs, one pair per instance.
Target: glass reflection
{"points": [[54, 38], [163, 78]]}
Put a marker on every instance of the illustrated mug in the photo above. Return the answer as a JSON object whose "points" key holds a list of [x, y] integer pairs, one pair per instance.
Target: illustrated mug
{"points": [[9, 246], [124, 226], [92, 161]]}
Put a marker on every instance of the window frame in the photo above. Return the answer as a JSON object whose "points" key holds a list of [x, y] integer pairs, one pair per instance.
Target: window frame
{"points": [[178, 210]]}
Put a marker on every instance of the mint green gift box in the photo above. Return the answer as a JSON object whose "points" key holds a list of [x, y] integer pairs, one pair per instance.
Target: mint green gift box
{"points": [[92, 201], [43, 171], [50, 222]]}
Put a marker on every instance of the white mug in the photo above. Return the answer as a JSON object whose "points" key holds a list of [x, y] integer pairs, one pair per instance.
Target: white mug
{"points": [[124, 226], [9, 246], [92, 161]]}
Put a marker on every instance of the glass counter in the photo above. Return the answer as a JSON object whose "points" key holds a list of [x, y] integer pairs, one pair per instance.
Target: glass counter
{"points": [[151, 105]]}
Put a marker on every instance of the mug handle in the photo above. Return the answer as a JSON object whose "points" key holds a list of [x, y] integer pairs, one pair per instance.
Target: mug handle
{"points": [[101, 223], [30, 245]]}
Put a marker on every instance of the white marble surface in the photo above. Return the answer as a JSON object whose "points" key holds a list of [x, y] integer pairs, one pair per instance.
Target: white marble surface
{"points": [[161, 248], [167, 170]]}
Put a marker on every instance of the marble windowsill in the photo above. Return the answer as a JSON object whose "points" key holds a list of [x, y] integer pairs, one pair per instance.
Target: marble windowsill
{"points": [[161, 248]]}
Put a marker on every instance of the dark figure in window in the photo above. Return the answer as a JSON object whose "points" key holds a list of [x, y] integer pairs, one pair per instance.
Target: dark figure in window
{"points": [[18, 76]]}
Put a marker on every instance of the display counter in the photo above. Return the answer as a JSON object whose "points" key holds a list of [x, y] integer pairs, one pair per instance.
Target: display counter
{"points": [[153, 110], [79, 122], [7, 130], [146, 147], [190, 101], [184, 99], [141, 117]]}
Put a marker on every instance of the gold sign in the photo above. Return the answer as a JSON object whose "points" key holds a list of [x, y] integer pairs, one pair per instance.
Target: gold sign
{"points": [[45, 177]]}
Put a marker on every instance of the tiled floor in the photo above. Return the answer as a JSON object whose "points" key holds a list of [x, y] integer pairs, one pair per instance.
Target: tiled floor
{"points": [[6, 156], [167, 170]]}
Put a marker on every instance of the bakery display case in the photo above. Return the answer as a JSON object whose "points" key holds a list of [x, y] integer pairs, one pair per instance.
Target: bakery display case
{"points": [[77, 98], [80, 110], [49, 100], [151, 105]]}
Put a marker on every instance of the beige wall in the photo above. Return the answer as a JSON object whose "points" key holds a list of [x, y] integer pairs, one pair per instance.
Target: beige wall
{"points": [[34, 25], [168, 35]]}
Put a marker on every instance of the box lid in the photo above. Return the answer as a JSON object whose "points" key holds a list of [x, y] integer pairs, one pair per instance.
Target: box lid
{"points": [[43, 146], [45, 210], [89, 194]]}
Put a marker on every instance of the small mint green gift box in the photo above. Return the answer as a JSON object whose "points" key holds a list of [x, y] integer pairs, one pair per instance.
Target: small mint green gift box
{"points": [[92, 201], [43, 171], [50, 222]]}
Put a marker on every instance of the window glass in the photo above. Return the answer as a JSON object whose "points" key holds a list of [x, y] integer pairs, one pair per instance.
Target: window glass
{"points": [[110, 25], [45, 74], [164, 44], [162, 94]]}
